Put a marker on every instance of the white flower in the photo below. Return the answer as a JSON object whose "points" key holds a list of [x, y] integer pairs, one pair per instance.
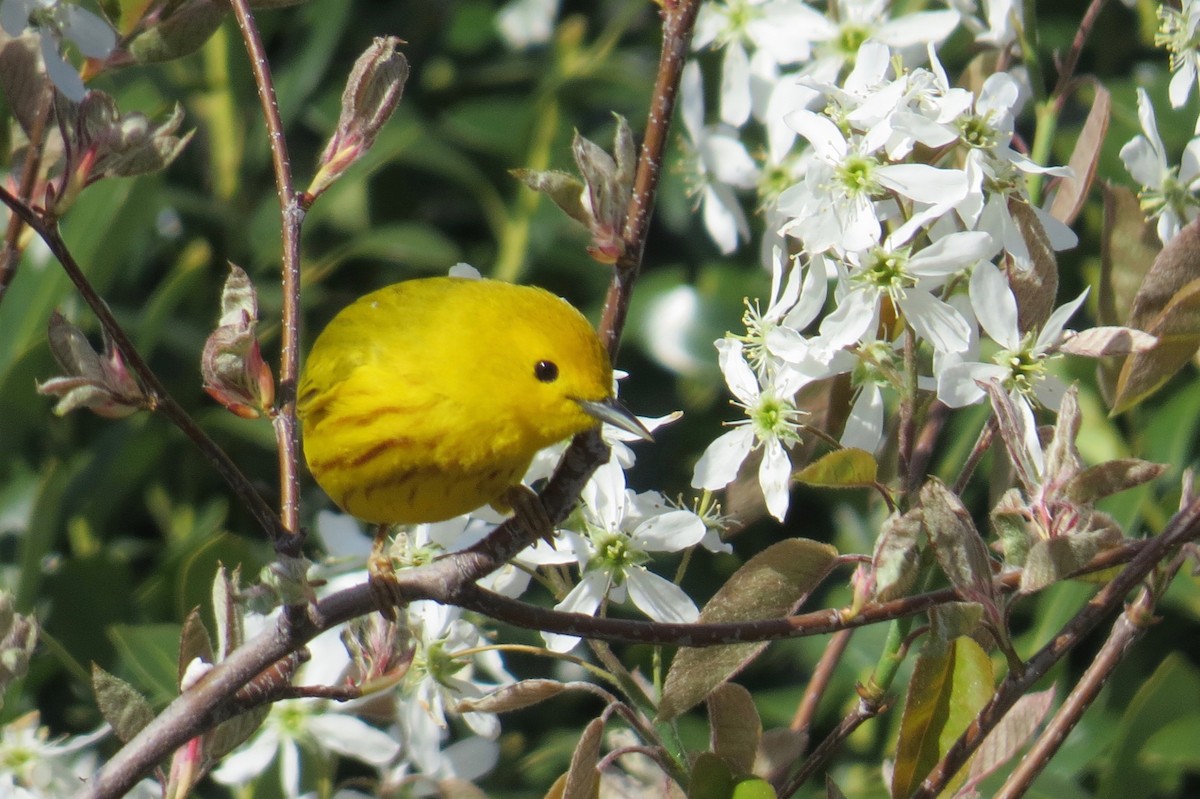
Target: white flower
{"points": [[1168, 194], [772, 423], [34, 766], [835, 204], [524, 23], [907, 280], [1020, 366], [720, 164], [617, 530], [312, 725], [779, 33], [57, 22], [1177, 33]]}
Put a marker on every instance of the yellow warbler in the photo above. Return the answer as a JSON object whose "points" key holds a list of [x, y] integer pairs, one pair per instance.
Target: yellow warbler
{"points": [[429, 398]]}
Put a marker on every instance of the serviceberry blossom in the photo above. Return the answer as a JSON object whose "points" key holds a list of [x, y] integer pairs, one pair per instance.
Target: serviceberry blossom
{"points": [[772, 424], [907, 280], [1168, 193], [719, 165], [313, 727], [777, 31], [835, 204], [58, 23], [1177, 32], [612, 536], [1020, 366]]}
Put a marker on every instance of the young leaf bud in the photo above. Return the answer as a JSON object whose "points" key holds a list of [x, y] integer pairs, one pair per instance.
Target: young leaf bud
{"points": [[372, 93], [100, 383], [235, 373]]}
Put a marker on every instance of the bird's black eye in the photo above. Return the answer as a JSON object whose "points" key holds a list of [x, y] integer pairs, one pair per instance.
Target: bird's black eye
{"points": [[546, 371]]}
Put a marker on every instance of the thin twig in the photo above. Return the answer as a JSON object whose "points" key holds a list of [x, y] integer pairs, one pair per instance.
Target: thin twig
{"points": [[863, 711], [819, 681], [1183, 527], [159, 398], [10, 254], [1066, 71], [977, 452], [1128, 628], [286, 435]]}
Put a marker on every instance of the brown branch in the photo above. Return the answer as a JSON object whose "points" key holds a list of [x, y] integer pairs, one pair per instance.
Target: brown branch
{"points": [[863, 711], [284, 420], [1128, 628], [212, 699], [1066, 72], [1183, 527], [159, 398], [10, 253]]}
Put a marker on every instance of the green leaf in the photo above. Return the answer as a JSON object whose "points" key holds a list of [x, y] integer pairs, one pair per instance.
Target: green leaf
{"points": [[1051, 559], [122, 706], [1174, 746], [1157, 704], [231, 734], [753, 788], [736, 727], [768, 586], [711, 778], [193, 642], [150, 652], [897, 556], [949, 686], [957, 544], [842, 468]]}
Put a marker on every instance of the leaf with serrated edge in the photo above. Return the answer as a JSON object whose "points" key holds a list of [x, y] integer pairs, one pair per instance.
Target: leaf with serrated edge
{"points": [[843, 468], [897, 556], [957, 544], [950, 685], [735, 725], [1073, 190], [1111, 477], [1103, 342], [122, 705], [193, 642], [1012, 733], [583, 778], [513, 697], [1051, 559], [768, 586]]}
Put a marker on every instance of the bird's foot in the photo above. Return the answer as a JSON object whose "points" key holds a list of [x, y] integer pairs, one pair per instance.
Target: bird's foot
{"points": [[381, 575], [529, 512]]}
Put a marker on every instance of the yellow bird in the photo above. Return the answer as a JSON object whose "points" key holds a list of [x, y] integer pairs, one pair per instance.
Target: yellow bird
{"points": [[427, 399]]}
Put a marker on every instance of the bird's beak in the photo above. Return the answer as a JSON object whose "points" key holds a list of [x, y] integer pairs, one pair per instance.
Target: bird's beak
{"points": [[612, 411]]}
